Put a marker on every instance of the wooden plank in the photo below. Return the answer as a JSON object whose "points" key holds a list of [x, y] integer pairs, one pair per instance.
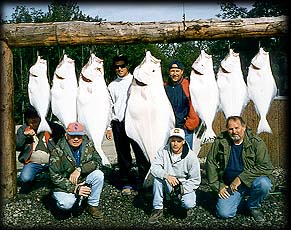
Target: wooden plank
{"points": [[283, 134], [273, 140], [109, 33]]}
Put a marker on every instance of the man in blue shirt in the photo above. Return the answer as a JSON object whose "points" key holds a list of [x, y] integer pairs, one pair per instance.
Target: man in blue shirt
{"points": [[239, 164]]}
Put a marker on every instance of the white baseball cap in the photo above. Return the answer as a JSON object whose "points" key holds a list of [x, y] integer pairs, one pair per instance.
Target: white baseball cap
{"points": [[177, 132]]}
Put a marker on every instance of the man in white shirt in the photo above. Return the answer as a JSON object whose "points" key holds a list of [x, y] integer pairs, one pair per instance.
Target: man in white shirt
{"points": [[118, 90]]}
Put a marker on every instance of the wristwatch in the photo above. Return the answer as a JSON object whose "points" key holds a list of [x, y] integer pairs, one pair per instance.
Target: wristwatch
{"points": [[78, 169]]}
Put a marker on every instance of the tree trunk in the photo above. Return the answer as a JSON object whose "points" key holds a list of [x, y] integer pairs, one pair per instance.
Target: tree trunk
{"points": [[109, 33]]}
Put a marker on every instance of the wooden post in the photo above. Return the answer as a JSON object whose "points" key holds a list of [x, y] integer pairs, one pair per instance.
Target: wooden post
{"points": [[7, 128]]}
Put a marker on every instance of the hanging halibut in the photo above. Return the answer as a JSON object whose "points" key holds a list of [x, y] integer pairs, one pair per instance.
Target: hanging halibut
{"points": [[93, 103], [232, 87], [39, 92], [64, 91], [149, 115], [204, 93], [261, 87]]}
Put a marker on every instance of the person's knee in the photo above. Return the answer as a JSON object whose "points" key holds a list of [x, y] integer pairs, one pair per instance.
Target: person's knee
{"points": [[189, 204], [98, 174], [224, 213], [263, 184], [25, 178], [65, 204]]}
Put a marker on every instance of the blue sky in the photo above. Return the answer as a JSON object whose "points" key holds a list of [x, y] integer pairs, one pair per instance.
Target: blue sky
{"points": [[135, 12]]}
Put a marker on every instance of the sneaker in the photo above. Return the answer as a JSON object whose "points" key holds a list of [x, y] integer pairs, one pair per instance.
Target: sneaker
{"points": [[257, 214], [155, 216], [126, 190], [95, 212]]}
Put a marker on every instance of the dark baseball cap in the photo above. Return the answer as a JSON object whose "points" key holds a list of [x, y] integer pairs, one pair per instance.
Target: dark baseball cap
{"points": [[176, 64]]}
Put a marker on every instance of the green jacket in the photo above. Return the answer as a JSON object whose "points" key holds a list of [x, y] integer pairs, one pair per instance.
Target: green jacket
{"points": [[256, 160], [62, 164]]}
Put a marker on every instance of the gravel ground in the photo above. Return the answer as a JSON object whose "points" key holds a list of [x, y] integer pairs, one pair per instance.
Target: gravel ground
{"points": [[33, 211]]}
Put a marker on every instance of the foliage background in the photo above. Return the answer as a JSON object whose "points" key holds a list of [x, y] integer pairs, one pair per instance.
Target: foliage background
{"points": [[186, 52]]}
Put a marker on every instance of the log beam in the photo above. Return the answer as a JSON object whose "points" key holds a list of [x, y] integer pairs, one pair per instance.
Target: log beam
{"points": [[109, 33]]}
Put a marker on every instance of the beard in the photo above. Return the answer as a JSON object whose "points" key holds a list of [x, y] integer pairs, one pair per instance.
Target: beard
{"points": [[235, 137]]}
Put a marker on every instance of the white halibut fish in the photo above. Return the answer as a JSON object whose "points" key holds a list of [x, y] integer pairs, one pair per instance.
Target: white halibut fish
{"points": [[204, 93], [261, 87], [39, 92], [64, 91], [93, 103], [233, 92], [149, 115]]}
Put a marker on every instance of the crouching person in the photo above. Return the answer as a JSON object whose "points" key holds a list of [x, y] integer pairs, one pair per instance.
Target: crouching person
{"points": [[176, 172], [238, 165], [75, 172], [35, 149]]}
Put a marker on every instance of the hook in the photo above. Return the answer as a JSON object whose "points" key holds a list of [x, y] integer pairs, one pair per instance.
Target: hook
{"points": [[184, 16], [92, 49]]}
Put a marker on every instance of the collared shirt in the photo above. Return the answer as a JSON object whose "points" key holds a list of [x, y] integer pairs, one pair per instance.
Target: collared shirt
{"points": [[77, 155]]}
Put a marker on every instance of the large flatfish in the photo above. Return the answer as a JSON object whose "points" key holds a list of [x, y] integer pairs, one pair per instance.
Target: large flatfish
{"points": [[261, 87], [204, 93], [149, 115], [93, 103], [39, 92], [232, 87], [64, 91]]}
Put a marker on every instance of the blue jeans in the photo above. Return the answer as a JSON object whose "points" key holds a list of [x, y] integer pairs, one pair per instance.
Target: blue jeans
{"points": [[189, 137], [30, 170], [161, 186], [65, 201], [260, 188]]}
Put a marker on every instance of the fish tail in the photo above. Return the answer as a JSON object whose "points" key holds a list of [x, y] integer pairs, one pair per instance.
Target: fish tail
{"points": [[264, 126], [43, 126], [101, 153], [209, 136]]}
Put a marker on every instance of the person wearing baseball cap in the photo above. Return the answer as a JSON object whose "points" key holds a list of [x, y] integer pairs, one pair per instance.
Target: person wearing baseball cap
{"points": [[75, 172], [177, 90], [176, 170]]}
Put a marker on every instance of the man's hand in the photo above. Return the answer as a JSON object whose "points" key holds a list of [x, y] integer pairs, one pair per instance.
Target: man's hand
{"points": [[223, 193], [234, 184], [74, 176], [83, 190], [29, 131], [173, 181], [109, 134]]}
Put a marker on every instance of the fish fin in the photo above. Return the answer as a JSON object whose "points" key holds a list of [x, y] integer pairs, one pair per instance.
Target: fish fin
{"points": [[264, 126], [44, 126]]}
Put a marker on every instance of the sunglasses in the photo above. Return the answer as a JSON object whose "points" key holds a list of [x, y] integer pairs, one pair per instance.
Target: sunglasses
{"points": [[121, 66]]}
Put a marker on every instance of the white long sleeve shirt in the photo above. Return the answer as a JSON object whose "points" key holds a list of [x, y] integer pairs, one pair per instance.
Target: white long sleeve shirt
{"points": [[118, 90]]}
